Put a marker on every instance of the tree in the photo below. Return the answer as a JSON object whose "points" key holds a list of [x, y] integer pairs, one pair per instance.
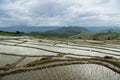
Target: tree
{"points": [[18, 33], [109, 38]]}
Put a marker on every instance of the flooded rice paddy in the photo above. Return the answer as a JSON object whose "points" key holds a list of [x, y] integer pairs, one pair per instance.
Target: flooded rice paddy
{"points": [[70, 72], [14, 51], [7, 59], [23, 50]]}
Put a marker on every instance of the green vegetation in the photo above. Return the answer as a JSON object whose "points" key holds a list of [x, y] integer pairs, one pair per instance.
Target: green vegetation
{"points": [[17, 33], [6, 33], [107, 59], [107, 36], [76, 33], [68, 33], [83, 35], [40, 62], [62, 32], [111, 61]]}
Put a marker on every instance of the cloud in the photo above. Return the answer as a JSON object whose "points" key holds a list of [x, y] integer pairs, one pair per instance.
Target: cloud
{"points": [[59, 12]]}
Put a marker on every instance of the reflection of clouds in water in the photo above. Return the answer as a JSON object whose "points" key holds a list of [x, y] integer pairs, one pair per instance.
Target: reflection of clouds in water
{"points": [[6, 59], [70, 72]]}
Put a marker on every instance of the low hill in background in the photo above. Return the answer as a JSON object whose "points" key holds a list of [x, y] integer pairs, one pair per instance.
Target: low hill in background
{"points": [[112, 30], [107, 36], [103, 29], [62, 32], [23, 28]]}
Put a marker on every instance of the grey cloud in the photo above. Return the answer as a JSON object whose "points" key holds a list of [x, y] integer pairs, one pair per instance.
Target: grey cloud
{"points": [[50, 9], [58, 12]]}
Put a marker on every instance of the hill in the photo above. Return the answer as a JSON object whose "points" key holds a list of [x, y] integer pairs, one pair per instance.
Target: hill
{"points": [[83, 35], [112, 30], [107, 36], [103, 29], [64, 31], [23, 28]]}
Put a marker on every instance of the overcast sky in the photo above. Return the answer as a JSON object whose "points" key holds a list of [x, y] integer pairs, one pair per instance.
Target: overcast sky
{"points": [[59, 12]]}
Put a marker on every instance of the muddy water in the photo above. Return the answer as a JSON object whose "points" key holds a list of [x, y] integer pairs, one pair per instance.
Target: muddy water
{"points": [[23, 50], [70, 72], [4, 59], [69, 50]]}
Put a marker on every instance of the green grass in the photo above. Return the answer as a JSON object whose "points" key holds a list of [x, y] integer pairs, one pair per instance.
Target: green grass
{"points": [[5, 33], [111, 61], [53, 38], [50, 60], [39, 62]]}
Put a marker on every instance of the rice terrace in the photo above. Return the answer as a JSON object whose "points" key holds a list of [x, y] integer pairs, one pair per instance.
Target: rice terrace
{"points": [[59, 39], [29, 58]]}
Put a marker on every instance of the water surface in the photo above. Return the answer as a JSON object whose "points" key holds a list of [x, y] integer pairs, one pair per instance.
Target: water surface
{"points": [[70, 72]]}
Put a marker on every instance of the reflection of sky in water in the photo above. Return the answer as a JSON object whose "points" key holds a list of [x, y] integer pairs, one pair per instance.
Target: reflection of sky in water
{"points": [[4, 59], [71, 72], [23, 50], [68, 49]]}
